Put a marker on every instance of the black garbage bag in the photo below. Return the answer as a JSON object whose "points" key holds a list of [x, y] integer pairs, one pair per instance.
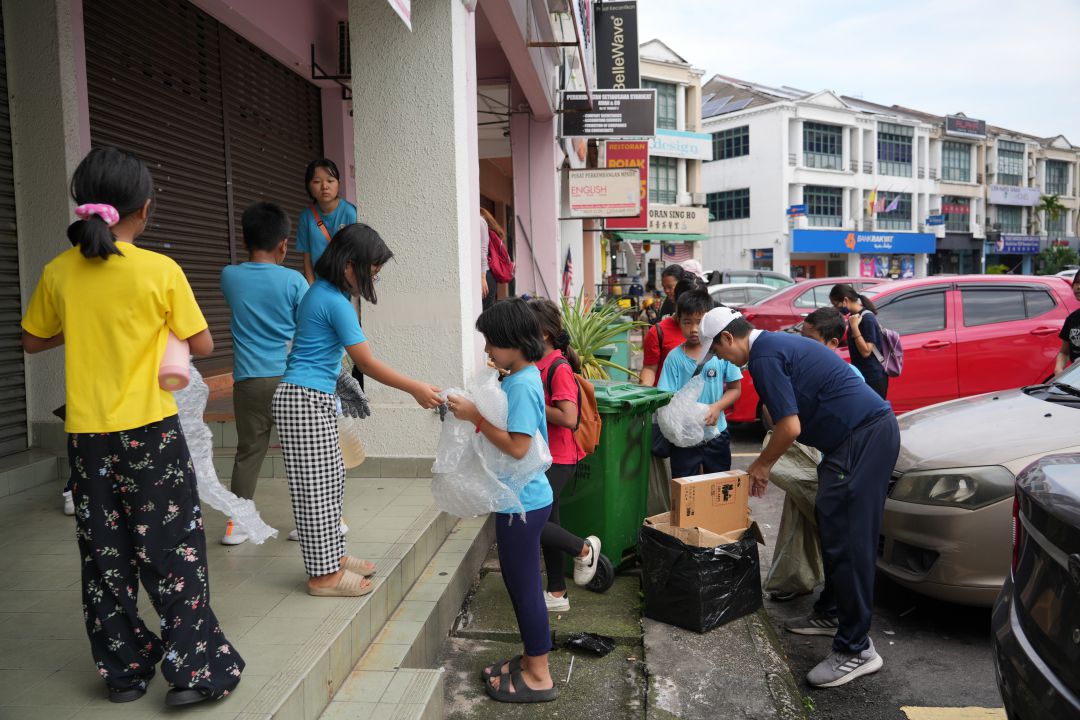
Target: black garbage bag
{"points": [[600, 645], [698, 588]]}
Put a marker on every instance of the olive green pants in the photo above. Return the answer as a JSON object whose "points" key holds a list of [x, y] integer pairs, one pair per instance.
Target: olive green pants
{"points": [[251, 405]]}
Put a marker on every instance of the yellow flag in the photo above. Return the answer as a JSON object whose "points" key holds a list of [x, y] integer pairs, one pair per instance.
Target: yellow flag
{"points": [[870, 202]]}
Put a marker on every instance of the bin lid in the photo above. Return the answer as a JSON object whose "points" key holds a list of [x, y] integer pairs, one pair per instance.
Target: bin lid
{"points": [[613, 396], [606, 351]]}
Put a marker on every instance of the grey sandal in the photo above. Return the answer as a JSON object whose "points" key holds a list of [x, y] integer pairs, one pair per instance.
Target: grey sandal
{"points": [[521, 693], [493, 670]]}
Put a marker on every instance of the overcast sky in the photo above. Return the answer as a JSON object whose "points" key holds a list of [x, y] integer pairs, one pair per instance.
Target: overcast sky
{"points": [[1013, 63]]}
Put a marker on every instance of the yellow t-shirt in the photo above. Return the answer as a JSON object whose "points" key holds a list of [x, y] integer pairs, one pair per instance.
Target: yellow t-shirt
{"points": [[115, 315]]}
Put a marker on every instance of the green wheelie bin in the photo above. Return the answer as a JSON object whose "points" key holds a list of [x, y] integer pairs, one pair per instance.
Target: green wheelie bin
{"points": [[607, 495]]}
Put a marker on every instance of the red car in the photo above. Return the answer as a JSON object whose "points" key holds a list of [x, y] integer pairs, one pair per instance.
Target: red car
{"points": [[789, 306], [962, 336]]}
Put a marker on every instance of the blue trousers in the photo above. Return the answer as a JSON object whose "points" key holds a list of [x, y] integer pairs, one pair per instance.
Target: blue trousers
{"points": [[710, 457], [852, 482], [519, 560]]}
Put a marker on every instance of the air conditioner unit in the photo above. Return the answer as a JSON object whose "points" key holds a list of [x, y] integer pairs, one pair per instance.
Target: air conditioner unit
{"points": [[996, 226], [698, 198]]}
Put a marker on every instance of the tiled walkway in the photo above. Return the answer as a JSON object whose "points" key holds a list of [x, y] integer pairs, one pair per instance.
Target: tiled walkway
{"points": [[257, 592]]}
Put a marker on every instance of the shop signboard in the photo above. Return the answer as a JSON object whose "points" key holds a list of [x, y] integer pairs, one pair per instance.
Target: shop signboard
{"points": [[604, 193], [796, 210], [680, 144], [1017, 244], [678, 220], [617, 64], [845, 241], [630, 154], [960, 126], [614, 113], [1009, 195], [933, 220]]}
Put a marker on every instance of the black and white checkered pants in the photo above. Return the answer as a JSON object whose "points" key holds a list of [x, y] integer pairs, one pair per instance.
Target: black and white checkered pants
{"points": [[307, 425]]}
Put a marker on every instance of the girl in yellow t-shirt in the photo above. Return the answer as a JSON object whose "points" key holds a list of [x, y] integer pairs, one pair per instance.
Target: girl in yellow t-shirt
{"points": [[136, 506]]}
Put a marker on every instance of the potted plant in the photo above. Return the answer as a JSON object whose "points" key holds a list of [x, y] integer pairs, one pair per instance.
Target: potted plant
{"points": [[592, 327]]}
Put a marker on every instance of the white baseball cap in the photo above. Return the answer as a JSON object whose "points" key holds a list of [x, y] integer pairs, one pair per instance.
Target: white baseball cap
{"points": [[716, 321]]}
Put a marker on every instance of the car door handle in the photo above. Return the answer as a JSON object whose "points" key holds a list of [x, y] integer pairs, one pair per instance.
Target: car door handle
{"points": [[1042, 331], [936, 345]]}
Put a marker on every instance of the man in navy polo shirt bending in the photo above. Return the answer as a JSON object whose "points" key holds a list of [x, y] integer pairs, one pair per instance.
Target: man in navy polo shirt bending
{"points": [[814, 397]]}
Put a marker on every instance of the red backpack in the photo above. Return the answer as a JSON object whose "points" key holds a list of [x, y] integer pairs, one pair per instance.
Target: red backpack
{"points": [[502, 267]]}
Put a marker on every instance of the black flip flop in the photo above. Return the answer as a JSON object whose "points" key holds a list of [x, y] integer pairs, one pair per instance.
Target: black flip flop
{"points": [[185, 696], [125, 695], [521, 693], [489, 671]]}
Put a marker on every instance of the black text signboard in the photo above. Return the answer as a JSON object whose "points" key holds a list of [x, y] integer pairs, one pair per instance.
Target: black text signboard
{"points": [[617, 64], [615, 113]]}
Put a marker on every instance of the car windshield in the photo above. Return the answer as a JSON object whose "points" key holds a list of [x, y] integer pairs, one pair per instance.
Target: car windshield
{"points": [[1070, 378]]}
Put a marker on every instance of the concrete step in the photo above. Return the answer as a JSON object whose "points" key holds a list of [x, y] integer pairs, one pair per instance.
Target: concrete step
{"points": [[28, 469], [394, 678]]}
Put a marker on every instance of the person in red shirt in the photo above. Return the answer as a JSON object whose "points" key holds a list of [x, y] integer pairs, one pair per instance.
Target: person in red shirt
{"points": [[557, 369], [663, 337]]}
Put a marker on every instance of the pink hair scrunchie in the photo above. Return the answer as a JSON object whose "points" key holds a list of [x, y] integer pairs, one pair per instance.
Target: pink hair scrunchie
{"points": [[105, 212]]}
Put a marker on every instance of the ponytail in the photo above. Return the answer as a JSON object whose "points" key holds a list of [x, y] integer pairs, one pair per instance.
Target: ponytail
{"points": [[844, 291], [868, 304], [108, 185], [562, 342], [550, 319]]}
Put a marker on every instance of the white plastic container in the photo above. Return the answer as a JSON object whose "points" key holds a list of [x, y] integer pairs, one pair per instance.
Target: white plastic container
{"points": [[174, 373]]}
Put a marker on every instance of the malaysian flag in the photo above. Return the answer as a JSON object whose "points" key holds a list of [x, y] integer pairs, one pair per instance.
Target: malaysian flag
{"points": [[567, 274]]}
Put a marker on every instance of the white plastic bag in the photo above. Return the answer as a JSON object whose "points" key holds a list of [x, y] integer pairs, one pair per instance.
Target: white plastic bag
{"points": [[352, 446], [682, 421], [191, 403], [471, 476]]}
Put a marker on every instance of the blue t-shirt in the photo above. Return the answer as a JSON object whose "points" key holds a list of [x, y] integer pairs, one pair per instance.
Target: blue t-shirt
{"points": [[310, 239], [870, 329], [326, 324], [263, 299], [525, 414], [679, 370], [798, 376]]}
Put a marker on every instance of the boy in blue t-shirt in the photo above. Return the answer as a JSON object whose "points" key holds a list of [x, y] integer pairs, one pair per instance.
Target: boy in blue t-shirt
{"points": [[723, 384], [263, 299]]}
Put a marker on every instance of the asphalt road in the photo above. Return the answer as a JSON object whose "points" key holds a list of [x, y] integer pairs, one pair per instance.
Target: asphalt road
{"points": [[936, 654]]}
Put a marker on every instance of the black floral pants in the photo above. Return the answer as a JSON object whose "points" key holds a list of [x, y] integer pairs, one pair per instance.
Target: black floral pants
{"points": [[138, 518]]}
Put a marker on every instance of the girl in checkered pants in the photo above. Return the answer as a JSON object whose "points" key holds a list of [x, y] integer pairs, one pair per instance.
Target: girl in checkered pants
{"points": [[305, 408]]}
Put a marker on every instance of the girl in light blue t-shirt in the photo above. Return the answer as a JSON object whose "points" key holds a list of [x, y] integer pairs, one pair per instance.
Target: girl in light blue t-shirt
{"points": [[514, 344], [328, 213]]}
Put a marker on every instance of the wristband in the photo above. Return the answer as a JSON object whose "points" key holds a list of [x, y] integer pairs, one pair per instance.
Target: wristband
{"points": [[479, 425]]}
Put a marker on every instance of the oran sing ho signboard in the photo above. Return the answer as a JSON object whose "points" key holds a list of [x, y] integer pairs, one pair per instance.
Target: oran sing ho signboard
{"points": [[625, 154], [605, 193]]}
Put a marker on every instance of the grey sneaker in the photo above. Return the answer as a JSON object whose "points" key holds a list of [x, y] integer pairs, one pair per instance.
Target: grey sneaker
{"points": [[812, 624], [841, 668]]}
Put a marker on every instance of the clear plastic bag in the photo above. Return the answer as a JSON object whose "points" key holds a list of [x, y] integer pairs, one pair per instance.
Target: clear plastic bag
{"points": [[191, 403], [352, 446], [682, 421], [471, 476]]}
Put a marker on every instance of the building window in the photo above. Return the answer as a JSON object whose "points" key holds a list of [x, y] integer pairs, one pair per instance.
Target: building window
{"points": [[894, 149], [1057, 177], [956, 161], [730, 205], [663, 180], [1010, 169], [731, 143], [1056, 227], [666, 115], [1010, 219], [957, 211], [823, 146], [900, 217], [824, 206]]}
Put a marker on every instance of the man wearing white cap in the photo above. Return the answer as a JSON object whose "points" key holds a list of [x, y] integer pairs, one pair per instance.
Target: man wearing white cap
{"points": [[814, 397]]}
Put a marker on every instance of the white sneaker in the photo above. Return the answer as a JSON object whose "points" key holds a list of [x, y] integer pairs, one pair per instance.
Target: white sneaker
{"points": [[233, 535], [69, 503], [585, 567], [295, 537], [557, 604]]}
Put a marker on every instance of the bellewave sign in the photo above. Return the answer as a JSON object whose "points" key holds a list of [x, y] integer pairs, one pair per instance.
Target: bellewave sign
{"points": [[678, 220], [605, 193]]}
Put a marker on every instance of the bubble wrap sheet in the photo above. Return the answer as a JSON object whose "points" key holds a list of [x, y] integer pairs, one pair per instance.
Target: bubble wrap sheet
{"points": [[682, 421], [470, 475], [191, 402]]}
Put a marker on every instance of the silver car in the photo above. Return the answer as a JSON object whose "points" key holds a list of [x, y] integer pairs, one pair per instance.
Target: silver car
{"points": [[946, 531]]}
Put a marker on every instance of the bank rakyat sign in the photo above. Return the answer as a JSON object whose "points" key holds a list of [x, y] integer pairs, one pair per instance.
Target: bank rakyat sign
{"points": [[845, 241]]}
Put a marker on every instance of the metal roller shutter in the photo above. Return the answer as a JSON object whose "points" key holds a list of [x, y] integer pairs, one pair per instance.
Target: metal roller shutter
{"points": [[158, 95], [274, 128], [12, 381]]}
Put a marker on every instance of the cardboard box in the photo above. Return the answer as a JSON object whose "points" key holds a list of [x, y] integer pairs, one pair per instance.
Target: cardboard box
{"points": [[717, 502], [700, 537]]}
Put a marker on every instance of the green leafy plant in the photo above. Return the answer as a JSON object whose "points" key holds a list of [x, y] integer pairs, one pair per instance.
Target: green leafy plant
{"points": [[591, 326], [1054, 259], [997, 269], [1051, 206]]}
